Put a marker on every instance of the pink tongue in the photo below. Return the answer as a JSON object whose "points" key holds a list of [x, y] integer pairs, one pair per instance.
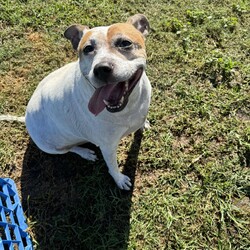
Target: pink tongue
{"points": [[96, 104]]}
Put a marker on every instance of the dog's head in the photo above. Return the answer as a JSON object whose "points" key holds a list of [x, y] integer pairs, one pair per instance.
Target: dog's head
{"points": [[112, 58]]}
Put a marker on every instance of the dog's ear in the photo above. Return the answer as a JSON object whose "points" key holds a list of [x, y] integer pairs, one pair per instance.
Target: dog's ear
{"points": [[74, 33], [140, 22]]}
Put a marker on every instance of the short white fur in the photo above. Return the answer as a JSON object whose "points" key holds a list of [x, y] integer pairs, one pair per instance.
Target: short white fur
{"points": [[58, 119]]}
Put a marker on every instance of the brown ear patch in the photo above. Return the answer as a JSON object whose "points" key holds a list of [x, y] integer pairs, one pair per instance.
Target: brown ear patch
{"points": [[140, 22], [127, 30], [74, 34], [84, 39]]}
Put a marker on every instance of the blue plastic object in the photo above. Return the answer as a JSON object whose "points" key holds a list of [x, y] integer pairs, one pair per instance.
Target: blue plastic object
{"points": [[12, 221]]}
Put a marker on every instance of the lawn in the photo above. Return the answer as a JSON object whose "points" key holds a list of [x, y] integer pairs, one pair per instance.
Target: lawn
{"points": [[190, 172]]}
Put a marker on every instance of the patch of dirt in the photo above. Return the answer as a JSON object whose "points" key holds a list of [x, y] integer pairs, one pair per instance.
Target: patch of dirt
{"points": [[243, 204], [144, 180], [181, 142], [35, 37]]}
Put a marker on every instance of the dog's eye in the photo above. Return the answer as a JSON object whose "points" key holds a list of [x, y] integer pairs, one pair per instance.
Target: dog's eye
{"points": [[124, 44], [88, 49]]}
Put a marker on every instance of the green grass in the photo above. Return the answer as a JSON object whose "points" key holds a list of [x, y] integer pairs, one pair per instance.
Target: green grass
{"points": [[191, 171]]}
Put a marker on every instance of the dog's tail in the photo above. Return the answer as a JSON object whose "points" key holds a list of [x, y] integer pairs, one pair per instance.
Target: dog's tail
{"points": [[12, 118]]}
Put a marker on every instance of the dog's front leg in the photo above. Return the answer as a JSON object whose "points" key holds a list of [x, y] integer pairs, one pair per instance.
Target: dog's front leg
{"points": [[109, 155], [146, 125]]}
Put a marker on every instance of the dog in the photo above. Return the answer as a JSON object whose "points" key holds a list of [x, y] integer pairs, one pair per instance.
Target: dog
{"points": [[100, 98]]}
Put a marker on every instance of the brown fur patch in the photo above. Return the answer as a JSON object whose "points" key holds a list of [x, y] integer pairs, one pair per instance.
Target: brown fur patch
{"points": [[127, 30], [84, 39]]}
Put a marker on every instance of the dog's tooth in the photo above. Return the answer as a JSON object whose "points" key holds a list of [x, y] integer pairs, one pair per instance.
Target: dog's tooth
{"points": [[106, 102], [121, 101], [126, 85], [114, 107]]}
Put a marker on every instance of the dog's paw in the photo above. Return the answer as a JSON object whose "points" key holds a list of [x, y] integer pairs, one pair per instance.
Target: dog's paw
{"points": [[90, 155], [85, 153], [146, 126], [123, 182]]}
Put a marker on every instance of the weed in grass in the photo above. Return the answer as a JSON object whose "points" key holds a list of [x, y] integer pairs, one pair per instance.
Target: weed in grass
{"points": [[220, 70], [174, 25], [196, 17]]}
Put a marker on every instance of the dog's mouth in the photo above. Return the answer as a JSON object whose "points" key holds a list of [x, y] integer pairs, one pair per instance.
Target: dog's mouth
{"points": [[113, 97]]}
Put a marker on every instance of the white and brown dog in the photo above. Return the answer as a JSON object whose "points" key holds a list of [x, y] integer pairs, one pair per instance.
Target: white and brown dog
{"points": [[100, 98]]}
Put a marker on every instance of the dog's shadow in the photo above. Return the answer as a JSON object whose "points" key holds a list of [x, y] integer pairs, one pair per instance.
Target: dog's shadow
{"points": [[74, 204]]}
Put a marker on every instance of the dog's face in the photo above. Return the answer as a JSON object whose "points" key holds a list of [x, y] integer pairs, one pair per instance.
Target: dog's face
{"points": [[113, 59]]}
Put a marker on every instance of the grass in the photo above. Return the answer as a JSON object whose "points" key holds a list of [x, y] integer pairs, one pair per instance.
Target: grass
{"points": [[190, 171]]}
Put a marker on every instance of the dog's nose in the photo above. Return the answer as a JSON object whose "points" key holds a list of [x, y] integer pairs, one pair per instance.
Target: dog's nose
{"points": [[103, 71]]}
